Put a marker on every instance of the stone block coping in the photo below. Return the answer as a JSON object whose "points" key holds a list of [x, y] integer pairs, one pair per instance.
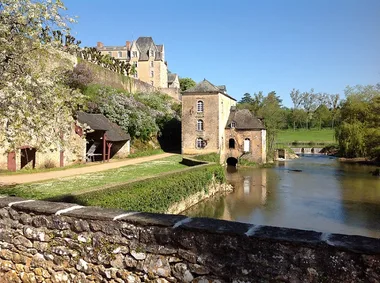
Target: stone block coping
{"points": [[352, 243]]}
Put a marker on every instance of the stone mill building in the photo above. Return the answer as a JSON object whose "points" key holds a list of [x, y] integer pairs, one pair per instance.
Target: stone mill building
{"points": [[211, 123]]}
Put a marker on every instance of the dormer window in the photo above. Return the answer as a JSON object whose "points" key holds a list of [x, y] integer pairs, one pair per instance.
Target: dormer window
{"points": [[151, 53], [233, 124], [134, 54]]}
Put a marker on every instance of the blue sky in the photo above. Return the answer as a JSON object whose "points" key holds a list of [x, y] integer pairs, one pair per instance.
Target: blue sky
{"points": [[248, 45]]}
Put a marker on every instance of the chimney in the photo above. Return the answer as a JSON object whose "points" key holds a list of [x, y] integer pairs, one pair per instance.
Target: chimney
{"points": [[128, 44], [99, 44]]}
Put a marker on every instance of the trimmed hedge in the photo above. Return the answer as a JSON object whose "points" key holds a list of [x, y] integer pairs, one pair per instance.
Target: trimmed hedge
{"points": [[209, 157], [155, 194]]}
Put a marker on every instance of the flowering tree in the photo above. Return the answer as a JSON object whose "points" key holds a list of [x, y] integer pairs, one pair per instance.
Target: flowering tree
{"points": [[36, 106]]}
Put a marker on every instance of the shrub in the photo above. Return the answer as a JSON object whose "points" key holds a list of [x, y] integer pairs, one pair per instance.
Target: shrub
{"points": [[156, 194], [210, 157]]}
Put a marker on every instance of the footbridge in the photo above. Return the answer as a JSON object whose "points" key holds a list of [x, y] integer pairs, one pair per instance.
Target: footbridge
{"points": [[307, 150]]}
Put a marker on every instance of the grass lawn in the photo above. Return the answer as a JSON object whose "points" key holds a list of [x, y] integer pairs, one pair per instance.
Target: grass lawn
{"points": [[302, 135], [91, 181]]}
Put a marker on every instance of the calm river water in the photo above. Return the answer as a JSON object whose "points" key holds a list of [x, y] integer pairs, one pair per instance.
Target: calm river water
{"points": [[326, 196]]}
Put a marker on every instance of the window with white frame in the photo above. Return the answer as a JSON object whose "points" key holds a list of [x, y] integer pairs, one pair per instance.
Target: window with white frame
{"points": [[119, 54], [151, 64], [152, 82], [135, 75], [134, 54], [110, 53], [200, 125], [151, 53], [200, 106], [233, 124], [200, 143], [151, 74], [135, 64]]}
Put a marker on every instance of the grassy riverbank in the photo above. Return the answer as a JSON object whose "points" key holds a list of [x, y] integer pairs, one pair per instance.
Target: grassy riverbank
{"points": [[306, 136], [93, 181], [155, 194]]}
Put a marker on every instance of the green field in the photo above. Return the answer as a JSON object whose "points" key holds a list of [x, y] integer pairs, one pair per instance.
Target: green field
{"points": [[91, 181], [306, 136]]}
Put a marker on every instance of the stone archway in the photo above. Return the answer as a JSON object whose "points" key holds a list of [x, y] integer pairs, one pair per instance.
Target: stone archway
{"points": [[232, 161]]}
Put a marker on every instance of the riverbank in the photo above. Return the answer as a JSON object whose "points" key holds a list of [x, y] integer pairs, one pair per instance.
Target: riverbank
{"points": [[359, 160], [214, 188], [170, 184]]}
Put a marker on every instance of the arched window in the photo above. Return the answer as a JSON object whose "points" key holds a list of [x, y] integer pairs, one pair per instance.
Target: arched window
{"points": [[231, 143], [247, 145], [200, 143], [200, 125], [200, 106]]}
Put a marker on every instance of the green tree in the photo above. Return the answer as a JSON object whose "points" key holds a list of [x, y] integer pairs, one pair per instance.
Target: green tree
{"points": [[333, 104], [247, 98], [309, 103], [274, 119], [186, 83], [296, 97], [358, 134], [36, 106]]}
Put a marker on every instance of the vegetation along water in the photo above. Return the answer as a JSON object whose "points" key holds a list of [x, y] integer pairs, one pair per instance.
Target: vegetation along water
{"points": [[313, 192]]}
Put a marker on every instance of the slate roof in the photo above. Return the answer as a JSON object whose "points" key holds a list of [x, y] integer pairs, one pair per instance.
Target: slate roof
{"points": [[203, 86], [171, 78], [244, 120], [100, 123], [206, 87], [144, 44], [222, 88]]}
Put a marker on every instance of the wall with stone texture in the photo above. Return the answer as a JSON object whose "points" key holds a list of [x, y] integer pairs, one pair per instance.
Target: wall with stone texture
{"points": [[59, 242], [257, 152], [109, 78]]}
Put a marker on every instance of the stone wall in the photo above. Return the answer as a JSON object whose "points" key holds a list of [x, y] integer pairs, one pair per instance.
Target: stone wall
{"points": [[256, 144], [59, 242], [109, 78]]}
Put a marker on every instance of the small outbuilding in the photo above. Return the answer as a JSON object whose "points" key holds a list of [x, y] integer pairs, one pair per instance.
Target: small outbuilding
{"points": [[105, 138], [245, 137]]}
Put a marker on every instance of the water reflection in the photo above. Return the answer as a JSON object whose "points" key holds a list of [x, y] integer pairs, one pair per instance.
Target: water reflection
{"points": [[313, 192]]}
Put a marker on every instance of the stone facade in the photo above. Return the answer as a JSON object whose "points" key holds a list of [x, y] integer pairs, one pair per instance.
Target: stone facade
{"points": [[209, 107], [60, 242], [147, 58], [207, 113], [256, 153], [73, 152]]}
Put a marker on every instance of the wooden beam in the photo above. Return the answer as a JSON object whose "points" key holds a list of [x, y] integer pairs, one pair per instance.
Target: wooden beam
{"points": [[104, 146], [109, 145]]}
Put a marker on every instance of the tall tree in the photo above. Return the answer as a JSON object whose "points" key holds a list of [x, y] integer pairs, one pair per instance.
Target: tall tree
{"points": [[309, 103], [274, 119], [186, 83], [247, 98], [296, 97], [36, 106], [333, 104]]}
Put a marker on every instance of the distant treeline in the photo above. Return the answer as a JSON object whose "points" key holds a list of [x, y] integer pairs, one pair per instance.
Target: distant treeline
{"points": [[356, 118]]}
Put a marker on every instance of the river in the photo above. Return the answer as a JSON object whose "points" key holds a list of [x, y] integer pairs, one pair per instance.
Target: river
{"points": [[314, 192]]}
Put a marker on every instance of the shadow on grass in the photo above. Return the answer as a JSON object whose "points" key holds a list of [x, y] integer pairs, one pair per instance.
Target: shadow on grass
{"points": [[66, 199]]}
